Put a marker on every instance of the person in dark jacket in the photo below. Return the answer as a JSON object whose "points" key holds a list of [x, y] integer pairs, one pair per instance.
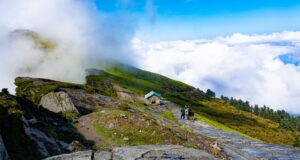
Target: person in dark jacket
{"points": [[182, 111]]}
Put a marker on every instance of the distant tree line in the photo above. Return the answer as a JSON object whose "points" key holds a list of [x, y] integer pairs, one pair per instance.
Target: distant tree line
{"points": [[285, 120]]}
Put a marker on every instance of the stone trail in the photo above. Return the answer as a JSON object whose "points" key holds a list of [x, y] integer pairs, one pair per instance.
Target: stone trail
{"points": [[239, 147]]}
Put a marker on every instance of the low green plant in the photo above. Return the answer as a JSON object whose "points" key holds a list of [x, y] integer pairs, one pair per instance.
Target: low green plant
{"points": [[71, 115], [296, 142], [124, 107]]}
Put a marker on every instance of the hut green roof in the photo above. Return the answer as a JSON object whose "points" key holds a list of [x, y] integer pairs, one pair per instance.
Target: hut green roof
{"points": [[152, 93]]}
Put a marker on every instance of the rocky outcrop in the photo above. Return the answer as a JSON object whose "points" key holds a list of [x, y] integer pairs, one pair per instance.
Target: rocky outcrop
{"points": [[87, 102], [3, 152], [58, 102], [127, 95], [149, 152]]}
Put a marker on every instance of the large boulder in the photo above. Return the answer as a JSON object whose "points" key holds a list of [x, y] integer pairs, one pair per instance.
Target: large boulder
{"points": [[58, 102], [148, 152], [3, 152], [87, 102], [82, 155]]}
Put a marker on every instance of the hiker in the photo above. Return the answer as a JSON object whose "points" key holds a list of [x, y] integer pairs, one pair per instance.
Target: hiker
{"points": [[190, 113], [187, 112], [182, 113]]}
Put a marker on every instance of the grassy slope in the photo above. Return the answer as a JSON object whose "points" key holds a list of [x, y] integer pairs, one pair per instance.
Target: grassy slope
{"points": [[246, 123], [214, 112], [143, 82], [131, 127]]}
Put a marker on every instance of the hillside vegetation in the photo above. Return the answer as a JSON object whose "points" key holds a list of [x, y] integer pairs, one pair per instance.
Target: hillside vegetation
{"points": [[214, 109], [142, 82], [247, 123]]}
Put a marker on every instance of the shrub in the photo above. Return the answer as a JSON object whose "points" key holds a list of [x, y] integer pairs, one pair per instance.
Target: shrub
{"points": [[296, 142], [124, 107]]}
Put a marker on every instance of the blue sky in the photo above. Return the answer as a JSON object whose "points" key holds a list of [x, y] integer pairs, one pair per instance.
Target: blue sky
{"points": [[194, 19]]}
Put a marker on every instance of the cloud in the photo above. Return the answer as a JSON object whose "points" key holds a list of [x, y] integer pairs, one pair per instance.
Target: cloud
{"points": [[243, 66], [82, 35]]}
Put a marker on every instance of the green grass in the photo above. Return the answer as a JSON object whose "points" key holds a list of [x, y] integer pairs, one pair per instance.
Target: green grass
{"points": [[70, 115], [124, 129], [131, 128], [170, 116], [124, 107], [221, 126]]}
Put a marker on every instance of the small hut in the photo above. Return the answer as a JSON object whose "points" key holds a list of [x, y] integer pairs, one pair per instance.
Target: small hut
{"points": [[153, 98]]}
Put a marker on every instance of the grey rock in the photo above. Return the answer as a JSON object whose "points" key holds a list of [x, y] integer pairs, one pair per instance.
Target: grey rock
{"points": [[76, 146], [32, 121], [149, 152], [82, 155], [153, 152], [180, 153], [3, 152], [87, 102], [102, 155], [125, 96], [47, 145], [58, 102]]}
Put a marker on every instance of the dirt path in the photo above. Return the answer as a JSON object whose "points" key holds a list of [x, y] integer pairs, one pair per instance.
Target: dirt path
{"points": [[239, 147]]}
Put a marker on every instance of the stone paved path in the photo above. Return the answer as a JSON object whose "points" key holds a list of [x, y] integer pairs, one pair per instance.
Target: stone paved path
{"points": [[239, 147]]}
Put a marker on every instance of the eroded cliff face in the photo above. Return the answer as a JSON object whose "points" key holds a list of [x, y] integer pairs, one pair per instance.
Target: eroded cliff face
{"points": [[3, 152], [34, 131]]}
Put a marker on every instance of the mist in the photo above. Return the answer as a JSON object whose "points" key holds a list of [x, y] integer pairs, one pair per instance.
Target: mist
{"points": [[80, 33]]}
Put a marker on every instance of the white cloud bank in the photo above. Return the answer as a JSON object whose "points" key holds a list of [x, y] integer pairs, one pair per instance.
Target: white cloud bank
{"points": [[82, 36], [242, 66]]}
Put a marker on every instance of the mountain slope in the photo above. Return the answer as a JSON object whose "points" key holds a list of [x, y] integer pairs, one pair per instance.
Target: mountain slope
{"points": [[141, 82], [109, 111], [97, 122]]}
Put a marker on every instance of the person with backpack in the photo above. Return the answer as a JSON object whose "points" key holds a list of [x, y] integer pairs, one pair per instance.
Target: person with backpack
{"points": [[190, 114]]}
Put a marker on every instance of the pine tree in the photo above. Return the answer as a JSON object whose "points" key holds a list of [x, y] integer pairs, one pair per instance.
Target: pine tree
{"points": [[256, 109], [210, 94]]}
